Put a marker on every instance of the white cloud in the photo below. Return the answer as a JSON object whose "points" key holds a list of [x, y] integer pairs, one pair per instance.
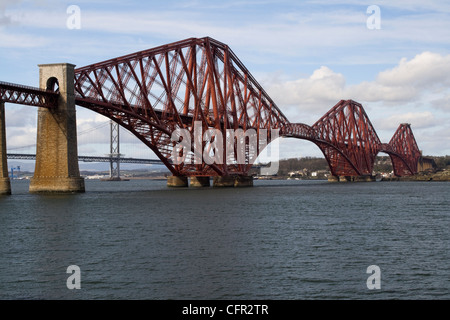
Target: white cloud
{"points": [[19, 115], [375, 91], [424, 70], [405, 5], [407, 82], [14, 40], [5, 19], [441, 103], [294, 31], [21, 139], [322, 86], [437, 142], [419, 120], [414, 91]]}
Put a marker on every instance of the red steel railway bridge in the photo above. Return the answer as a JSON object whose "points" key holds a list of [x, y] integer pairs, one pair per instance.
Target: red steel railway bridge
{"points": [[197, 82]]}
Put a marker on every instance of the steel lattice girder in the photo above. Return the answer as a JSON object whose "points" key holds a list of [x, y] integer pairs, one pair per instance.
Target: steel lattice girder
{"points": [[404, 152], [154, 92], [347, 139]]}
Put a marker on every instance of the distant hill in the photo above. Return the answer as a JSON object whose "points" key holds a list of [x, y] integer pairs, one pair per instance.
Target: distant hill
{"points": [[309, 164]]}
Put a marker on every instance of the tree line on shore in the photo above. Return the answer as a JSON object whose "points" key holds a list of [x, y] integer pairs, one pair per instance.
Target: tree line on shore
{"points": [[382, 164]]}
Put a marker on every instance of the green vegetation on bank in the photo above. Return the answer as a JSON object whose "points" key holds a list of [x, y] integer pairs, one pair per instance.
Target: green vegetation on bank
{"points": [[317, 168]]}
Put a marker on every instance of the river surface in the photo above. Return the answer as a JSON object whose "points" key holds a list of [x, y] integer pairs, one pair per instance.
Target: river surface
{"points": [[278, 240]]}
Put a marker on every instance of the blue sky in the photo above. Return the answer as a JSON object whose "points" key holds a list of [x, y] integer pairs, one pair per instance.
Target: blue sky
{"points": [[308, 55]]}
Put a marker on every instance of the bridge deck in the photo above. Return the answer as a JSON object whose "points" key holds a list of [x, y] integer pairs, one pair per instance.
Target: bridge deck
{"points": [[21, 156], [31, 96]]}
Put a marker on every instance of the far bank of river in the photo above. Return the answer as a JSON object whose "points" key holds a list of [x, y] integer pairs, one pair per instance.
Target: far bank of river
{"points": [[442, 175]]}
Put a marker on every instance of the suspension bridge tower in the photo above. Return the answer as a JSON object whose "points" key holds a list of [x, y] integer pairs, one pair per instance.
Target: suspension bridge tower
{"points": [[114, 155]]}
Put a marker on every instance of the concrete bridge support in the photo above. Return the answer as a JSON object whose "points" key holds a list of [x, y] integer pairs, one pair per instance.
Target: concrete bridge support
{"points": [[223, 181], [243, 181], [200, 182], [56, 167], [177, 182], [233, 181], [368, 178], [5, 185]]}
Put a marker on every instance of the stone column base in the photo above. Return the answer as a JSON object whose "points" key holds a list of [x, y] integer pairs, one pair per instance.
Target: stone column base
{"points": [[223, 181], [351, 178], [233, 181], [177, 181], [5, 186], [243, 181], [56, 184], [364, 179], [332, 178], [200, 182]]}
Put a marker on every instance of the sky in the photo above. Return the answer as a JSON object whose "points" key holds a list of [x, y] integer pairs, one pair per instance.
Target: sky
{"points": [[393, 57]]}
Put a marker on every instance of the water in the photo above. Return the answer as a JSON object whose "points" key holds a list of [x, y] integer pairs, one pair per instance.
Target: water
{"points": [[277, 240]]}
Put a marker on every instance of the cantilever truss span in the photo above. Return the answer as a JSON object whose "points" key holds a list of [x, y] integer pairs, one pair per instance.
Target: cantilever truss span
{"points": [[152, 93], [200, 83]]}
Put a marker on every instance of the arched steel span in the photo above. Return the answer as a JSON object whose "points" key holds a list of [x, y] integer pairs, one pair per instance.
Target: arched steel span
{"points": [[154, 92], [350, 143]]}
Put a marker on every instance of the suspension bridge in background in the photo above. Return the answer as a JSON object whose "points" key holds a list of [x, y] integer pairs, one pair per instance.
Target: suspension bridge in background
{"points": [[197, 82], [114, 158]]}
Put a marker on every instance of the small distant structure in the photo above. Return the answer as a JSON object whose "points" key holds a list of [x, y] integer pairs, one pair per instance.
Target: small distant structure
{"points": [[114, 162], [12, 172]]}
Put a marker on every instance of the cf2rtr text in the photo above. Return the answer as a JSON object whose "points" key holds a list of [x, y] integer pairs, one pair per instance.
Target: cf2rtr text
{"points": [[231, 309]]}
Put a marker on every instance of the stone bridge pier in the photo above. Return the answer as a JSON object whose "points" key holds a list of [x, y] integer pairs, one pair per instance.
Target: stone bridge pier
{"points": [[56, 168], [5, 185]]}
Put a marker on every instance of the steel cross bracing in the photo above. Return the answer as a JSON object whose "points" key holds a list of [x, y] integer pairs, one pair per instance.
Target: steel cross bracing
{"points": [[114, 141], [20, 94], [154, 92], [348, 139], [403, 150]]}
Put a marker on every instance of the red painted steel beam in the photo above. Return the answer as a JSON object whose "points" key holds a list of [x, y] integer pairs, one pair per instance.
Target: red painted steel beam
{"points": [[20, 94], [405, 151], [347, 139], [154, 92]]}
